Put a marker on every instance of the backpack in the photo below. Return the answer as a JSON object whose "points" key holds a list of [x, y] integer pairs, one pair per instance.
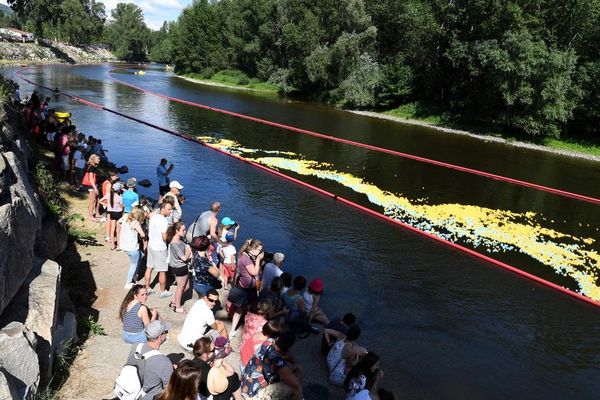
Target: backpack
{"points": [[130, 382]]}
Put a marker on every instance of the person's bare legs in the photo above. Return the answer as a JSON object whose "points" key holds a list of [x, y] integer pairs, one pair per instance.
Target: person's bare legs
{"points": [[235, 320], [118, 232], [147, 276], [162, 281], [92, 204], [108, 229], [112, 224], [183, 283]]}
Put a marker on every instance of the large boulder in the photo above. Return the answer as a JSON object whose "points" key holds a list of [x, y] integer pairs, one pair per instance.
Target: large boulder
{"points": [[19, 360], [43, 302], [20, 221], [55, 236], [8, 388]]}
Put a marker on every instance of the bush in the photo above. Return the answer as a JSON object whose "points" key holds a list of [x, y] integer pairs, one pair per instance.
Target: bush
{"points": [[48, 190]]}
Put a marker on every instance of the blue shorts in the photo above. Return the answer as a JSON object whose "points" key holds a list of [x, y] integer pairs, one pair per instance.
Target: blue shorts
{"points": [[133, 338], [202, 288]]}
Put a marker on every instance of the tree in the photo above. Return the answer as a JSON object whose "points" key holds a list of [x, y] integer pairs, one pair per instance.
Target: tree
{"points": [[127, 34]]}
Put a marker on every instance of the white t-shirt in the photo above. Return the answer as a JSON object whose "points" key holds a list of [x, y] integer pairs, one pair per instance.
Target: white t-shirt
{"points": [[156, 227], [199, 317], [79, 160], [128, 240], [228, 254]]}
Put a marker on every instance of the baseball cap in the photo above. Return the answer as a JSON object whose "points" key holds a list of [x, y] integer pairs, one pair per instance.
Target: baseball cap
{"points": [[156, 328], [131, 182], [175, 185], [227, 221]]}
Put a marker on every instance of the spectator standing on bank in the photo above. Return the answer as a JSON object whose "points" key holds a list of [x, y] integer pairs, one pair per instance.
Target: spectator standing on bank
{"points": [[130, 197], [157, 249], [162, 173]]}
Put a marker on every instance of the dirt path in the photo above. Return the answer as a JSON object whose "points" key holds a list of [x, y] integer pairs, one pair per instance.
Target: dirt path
{"points": [[101, 273]]}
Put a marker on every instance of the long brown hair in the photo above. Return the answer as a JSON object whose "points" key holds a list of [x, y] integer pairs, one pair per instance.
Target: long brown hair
{"points": [[129, 298], [171, 230], [201, 346], [184, 382]]}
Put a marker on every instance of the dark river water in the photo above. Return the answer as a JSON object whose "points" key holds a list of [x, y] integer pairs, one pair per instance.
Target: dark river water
{"points": [[447, 325]]}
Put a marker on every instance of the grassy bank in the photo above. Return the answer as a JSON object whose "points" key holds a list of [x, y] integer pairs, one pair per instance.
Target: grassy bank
{"points": [[232, 78], [429, 116]]}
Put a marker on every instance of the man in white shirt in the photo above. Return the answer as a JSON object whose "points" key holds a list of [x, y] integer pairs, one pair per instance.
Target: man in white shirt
{"points": [[272, 270], [199, 319], [174, 189], [157, 249]]}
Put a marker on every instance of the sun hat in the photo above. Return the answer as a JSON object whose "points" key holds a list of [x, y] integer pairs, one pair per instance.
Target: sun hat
{"points": [[227, 221], [156, 328], [316, 285], [117, 186], [175, 185], [216, 381], [131, 182]]}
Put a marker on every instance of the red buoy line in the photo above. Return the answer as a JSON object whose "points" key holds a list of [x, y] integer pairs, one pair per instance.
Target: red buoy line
{"points": [[334, 197], [490, 175]]}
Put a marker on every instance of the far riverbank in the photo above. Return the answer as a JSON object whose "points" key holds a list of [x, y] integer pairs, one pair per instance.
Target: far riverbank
{"points": [[556, 146]]}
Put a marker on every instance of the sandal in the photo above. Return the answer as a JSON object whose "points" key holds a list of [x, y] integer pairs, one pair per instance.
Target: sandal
{"points": [[180, 310], [172, 305]]}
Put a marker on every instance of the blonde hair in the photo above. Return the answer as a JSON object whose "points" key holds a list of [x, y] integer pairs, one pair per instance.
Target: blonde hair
{"points": [[136, 214], [250, 244]]}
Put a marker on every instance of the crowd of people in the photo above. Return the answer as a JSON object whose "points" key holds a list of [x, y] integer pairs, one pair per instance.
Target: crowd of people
{"points": [[269, 307]]}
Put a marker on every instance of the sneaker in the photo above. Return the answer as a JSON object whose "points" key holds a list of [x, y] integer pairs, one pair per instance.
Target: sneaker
{"points": [[232, 334], [164, 294], [128, 285], [102, 219], [149, 292]]}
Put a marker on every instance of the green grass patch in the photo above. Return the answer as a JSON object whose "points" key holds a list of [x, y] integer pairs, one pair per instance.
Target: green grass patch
{"points": [[575, 145], [233, 78], [418, 112]]}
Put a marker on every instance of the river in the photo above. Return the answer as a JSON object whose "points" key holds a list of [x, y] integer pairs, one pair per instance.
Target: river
{"points": [[446, 324]]}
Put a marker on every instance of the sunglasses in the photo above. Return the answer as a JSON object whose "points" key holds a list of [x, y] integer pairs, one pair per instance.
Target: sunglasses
{"points": [[212, 300]]}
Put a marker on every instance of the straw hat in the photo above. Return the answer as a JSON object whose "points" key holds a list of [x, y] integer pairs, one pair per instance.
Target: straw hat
{"points": [[216, 382]]}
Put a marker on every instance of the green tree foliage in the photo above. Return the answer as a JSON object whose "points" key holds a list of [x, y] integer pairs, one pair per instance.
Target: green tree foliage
{"points": [[127, 34], [79, 22], [161, 44]]}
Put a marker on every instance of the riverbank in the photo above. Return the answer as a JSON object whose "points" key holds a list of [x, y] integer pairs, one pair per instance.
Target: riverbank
{"points": [[556, 146], [101, 357], [12, 53], [562, 147], [232, 80]]}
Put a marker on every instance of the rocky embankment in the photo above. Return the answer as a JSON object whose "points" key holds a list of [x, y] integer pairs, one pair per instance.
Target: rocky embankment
{"points": [[51, 53], [36, 318]]}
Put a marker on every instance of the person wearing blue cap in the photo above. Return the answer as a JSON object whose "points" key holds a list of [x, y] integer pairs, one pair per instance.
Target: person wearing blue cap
{"points": [[227, 250]]}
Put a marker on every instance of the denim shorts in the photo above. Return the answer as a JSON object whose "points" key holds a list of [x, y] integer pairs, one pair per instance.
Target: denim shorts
{"points": [[202, 288], [133, 338]]}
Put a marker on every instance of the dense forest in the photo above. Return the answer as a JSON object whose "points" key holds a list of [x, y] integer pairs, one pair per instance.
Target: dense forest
{"points": [[528, 66]]}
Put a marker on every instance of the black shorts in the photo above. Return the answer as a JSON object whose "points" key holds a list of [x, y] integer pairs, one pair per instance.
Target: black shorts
{"points": [[115, 215], [181, 271], [163, 189]]}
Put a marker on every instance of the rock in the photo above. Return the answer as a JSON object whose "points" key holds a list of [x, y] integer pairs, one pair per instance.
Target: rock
{"points": [[66, 325], [54, 234], [20, 220], [8, 389], [44, 292], [19, 360]]}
